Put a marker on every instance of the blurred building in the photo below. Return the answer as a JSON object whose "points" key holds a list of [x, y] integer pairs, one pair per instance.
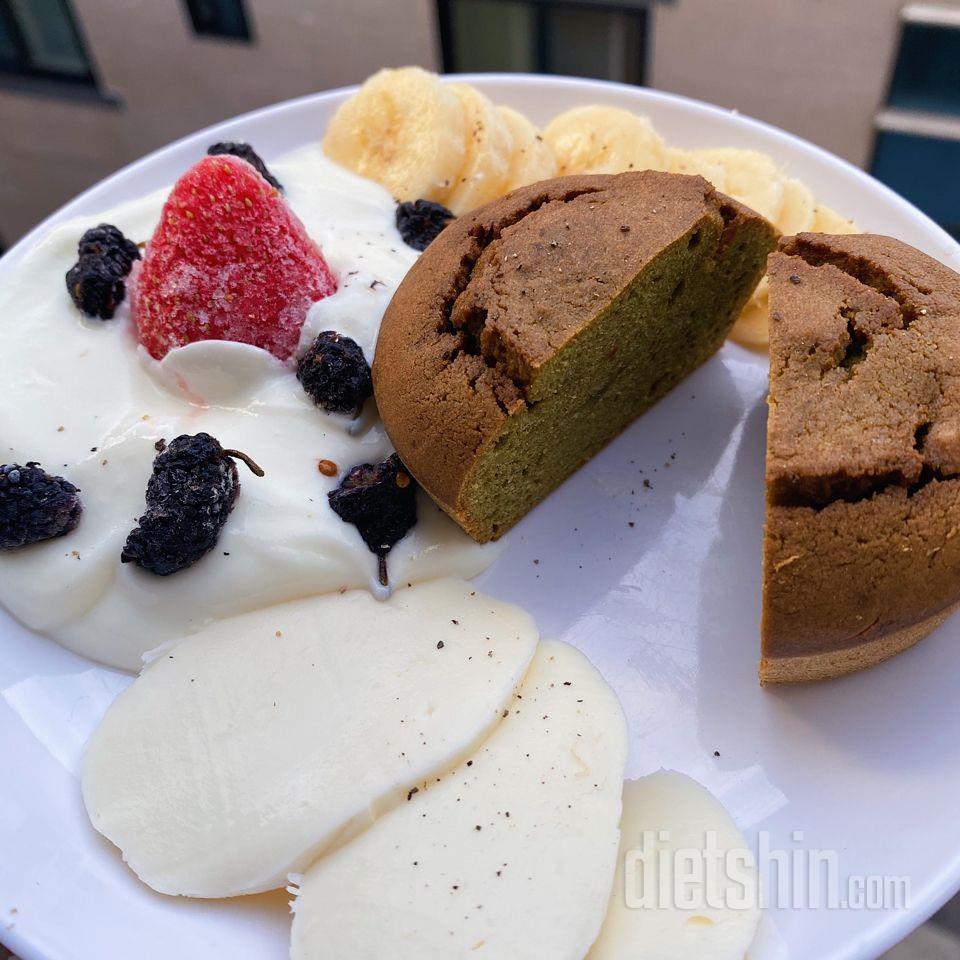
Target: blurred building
{"points": [[87, 85]]}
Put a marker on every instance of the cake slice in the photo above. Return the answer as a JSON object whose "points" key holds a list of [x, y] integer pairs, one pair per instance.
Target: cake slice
{"points": [[532, 331], [861, 553]]}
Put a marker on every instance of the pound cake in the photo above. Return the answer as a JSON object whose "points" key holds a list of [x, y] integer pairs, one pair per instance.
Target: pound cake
{"points": [[533, 330], [861, 553]]}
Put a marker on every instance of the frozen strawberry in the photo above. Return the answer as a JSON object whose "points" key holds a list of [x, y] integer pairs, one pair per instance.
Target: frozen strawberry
{"points": [[229, 261]]}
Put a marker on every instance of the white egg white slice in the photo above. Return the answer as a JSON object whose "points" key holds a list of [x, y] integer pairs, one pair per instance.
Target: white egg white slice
{"points": [[243, 752], [511, 855], [668, 902]]}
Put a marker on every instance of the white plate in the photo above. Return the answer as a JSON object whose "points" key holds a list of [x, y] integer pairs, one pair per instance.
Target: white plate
{"points": [[668, 610]]}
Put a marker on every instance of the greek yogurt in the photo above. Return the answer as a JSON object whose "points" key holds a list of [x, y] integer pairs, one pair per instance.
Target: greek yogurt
{"points": [[90, 404]]}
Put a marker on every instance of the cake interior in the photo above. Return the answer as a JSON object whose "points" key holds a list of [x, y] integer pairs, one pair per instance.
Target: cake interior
{"points": [[668, 320]]}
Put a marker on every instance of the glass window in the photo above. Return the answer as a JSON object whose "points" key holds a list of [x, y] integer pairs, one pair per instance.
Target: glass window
{"points": [[8, 49], [927, 74], [923, 169], [585, 42], [51, 36], [492, 35], [591, 38], [39, 38], [219, 18]]}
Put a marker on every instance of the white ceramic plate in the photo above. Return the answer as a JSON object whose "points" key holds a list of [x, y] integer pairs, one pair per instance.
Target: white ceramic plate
{"points": [[667, 608]]}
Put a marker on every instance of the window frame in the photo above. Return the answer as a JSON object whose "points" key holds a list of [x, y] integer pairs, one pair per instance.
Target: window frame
{"points": [[918, 121], [28, 70], [639, 12]]}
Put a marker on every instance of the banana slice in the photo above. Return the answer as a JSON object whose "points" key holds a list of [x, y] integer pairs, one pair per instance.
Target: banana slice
{"points": [[752, 329], [796, 211], [532, 160], [826, 220], [752, 178], [404, 129], [595, 139], [489, 145], [693, 162]]}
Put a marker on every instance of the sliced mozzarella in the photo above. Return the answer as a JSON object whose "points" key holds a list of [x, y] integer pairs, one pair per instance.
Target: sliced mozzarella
{"points": [[509, 856], [241, 753], [668, 902]]}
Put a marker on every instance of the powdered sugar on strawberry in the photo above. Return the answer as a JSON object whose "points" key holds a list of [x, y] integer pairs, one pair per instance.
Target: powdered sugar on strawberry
{"points": [[228, 261]]}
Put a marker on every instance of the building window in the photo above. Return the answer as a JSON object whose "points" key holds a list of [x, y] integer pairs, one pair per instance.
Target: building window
{"points": [[40, 39], [219, 18], [917, 150], [921, 166], [927, 74], [583, 38]]}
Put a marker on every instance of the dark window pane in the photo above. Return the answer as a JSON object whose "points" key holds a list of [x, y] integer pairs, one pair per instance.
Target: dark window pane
{"points": [[585, 42], [492, 35], [581, 39], [39, 38], [923, 169], [9, 59], [220, 18], [50, 36], [927, 75]]}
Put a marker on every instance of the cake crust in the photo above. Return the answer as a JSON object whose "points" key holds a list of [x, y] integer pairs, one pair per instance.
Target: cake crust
{"points": [[469, 336], [805, 668], [861, 553]]}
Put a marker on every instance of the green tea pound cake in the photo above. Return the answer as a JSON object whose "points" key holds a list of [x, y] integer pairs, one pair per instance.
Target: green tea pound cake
{"points": [[532, 331], [861, 553]]}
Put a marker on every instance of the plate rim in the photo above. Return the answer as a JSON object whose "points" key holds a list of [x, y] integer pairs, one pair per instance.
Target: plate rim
{"points": [[891, 927]]}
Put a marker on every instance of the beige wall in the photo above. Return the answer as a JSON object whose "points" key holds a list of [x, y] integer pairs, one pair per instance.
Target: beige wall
{"points": [[819, 68], [170, 82]]}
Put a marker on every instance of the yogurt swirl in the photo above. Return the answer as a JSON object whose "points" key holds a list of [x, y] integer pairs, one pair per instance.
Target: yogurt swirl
{"points": [[91, 404]]}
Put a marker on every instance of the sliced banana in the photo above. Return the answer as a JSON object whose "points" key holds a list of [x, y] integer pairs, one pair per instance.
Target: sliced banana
{"points": [[532, 160], [692, 162], [797, 209], [489, 151], [752, 329], [752, 178], [404, 129], [595, 139], [826, 220]]}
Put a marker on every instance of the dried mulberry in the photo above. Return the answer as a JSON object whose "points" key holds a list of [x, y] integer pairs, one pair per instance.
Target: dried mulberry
{"points": [[96, 281], [420, 222], [335, 373], [245, 152], [380, 500], [190, 494], [35, 506]]}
